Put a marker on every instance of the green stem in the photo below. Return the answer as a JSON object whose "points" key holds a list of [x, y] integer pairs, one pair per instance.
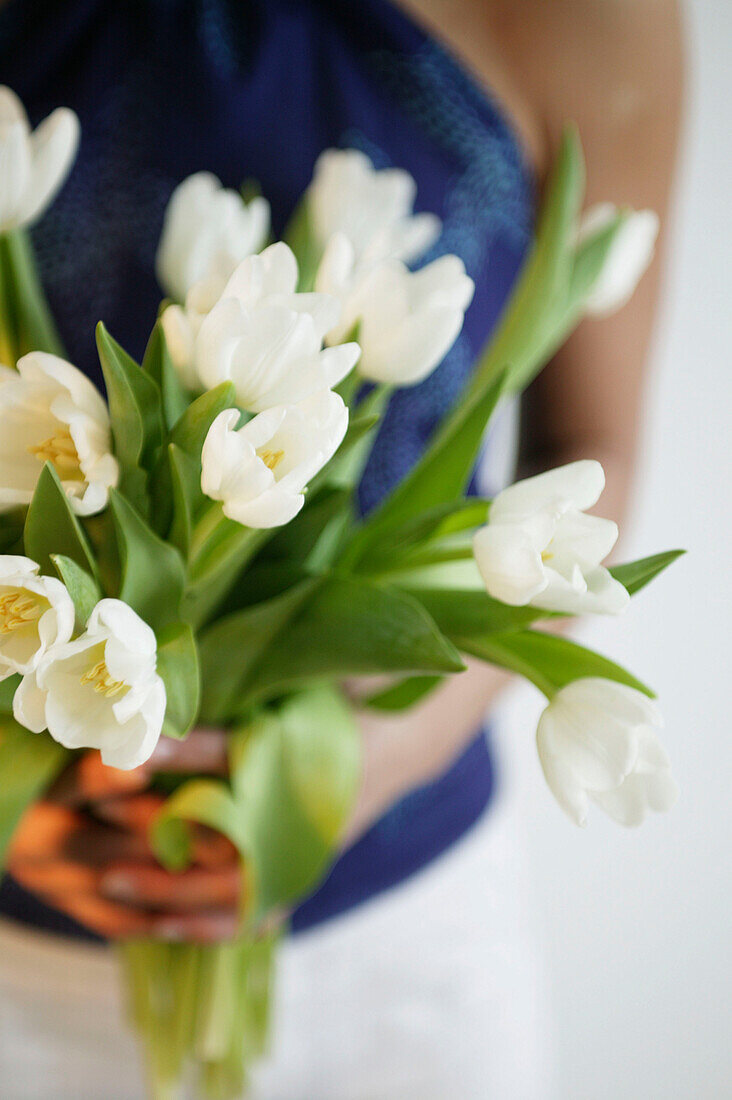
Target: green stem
{"points": [[26, 322], [199, 1006]]}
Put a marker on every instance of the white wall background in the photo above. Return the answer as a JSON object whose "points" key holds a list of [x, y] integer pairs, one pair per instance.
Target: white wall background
{"points": [[636, 925]]}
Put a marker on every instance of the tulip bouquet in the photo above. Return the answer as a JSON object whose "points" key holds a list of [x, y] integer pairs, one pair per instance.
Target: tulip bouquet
{"points": [[187, 549]]}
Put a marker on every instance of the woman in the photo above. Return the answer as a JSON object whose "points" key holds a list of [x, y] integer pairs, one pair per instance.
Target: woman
{"points": [[258, 89]]}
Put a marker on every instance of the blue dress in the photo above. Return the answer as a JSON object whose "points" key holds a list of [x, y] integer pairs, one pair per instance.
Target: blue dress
{"points": [[258, 89]]}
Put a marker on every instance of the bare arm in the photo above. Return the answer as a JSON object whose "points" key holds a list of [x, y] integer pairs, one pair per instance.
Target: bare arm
{"points": [[618, 75], [615, 69]]}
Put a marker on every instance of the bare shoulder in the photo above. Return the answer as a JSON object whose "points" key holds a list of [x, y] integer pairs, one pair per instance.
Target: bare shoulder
{"points": [[612, 66]]}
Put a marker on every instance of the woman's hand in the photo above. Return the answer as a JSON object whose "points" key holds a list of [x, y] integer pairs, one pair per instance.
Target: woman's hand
{"points": [[84, 850]]}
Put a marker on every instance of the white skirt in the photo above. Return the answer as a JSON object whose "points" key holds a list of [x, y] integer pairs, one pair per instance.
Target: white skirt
{"points": [[432, 991]]}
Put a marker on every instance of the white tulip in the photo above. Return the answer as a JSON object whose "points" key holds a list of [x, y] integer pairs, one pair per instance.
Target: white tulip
{"points": [[207, 231], [540, 548], [100, 691], [628, 257], [51, 412], [267, 339], [372, 208], [36, 613], [260, 471], [33, 164], [597, 740], [407, 320]]}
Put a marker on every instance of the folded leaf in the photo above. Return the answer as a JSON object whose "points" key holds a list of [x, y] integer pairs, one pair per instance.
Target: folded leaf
{"points": [[83, 589], [178, 667], [186, 497], [157, 363], [295, 775], [51, 527], [135, 406], [191, 429], [151, 571], [407, 693], [547, 660], [635, 575], [465, 613]]}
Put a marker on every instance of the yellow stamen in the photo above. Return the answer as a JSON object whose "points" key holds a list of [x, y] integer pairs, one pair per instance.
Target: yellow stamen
{"points": [[17, 609], [60, 450], [271, 459], [98, 675]]}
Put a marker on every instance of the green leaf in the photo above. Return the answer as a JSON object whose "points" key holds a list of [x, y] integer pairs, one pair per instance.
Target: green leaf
{"points": [[186, 497], [351, 626], [151, 571], [179, 670], [135, 406], [635, 575], [465, 613], [191, 430], [82, 588], [28, 764], [407, 693], [547, 660], [51, 527], [157, 363], [431, 536], [232, 646], [440, 476], [295, 775]]}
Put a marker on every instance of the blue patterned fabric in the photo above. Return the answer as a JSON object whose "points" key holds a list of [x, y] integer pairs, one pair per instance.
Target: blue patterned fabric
{"points": [[258, 89]]}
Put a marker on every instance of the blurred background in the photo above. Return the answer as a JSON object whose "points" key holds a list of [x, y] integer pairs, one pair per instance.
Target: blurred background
{"points": [[634, 926]]}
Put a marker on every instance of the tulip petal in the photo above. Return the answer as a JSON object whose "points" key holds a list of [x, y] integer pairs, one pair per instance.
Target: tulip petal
{"points": [[560, 780], [29, 704], [15, 173], [509, 563], [578, 486], [587, 539], [629, 255], [53, 144]]}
